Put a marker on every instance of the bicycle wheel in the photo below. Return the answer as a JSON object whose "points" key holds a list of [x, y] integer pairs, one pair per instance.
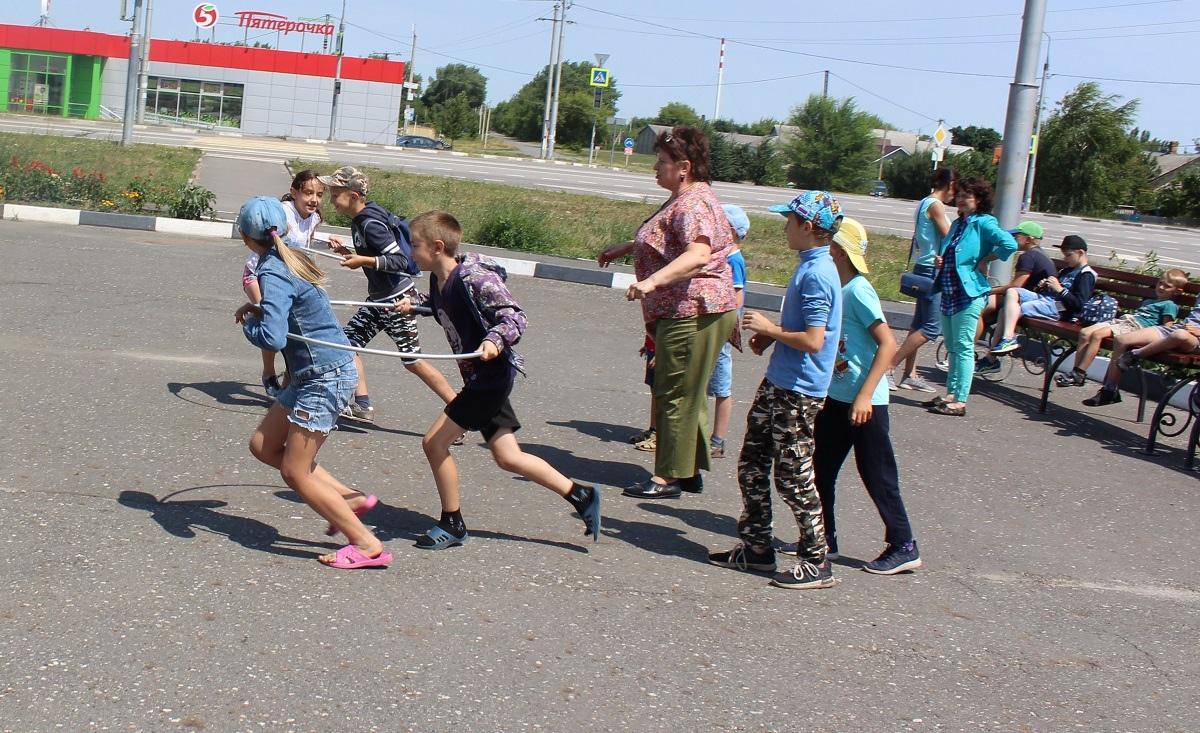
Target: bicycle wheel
{"points": [[941, 355]]}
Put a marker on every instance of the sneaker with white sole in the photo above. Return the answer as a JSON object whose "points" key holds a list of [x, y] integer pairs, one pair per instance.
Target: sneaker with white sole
{"points": [[355, 411], [896, 559], [742, 557], [793, 548], [805, 575], [1073, 379], [1006, 346], [917, 384], [891, 381]]}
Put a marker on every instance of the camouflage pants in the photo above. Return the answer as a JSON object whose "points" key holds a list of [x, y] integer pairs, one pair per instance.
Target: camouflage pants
{"points": [[779, 436]]}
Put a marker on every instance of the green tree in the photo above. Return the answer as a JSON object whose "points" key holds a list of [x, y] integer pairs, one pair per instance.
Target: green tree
{"points": [[983, 139], [455, 119], [452, 80], [834, 149], [676, 113], [1181, 198], [907, 176], [1087, 162], [971, 164], [520, 116], [765, 165]]}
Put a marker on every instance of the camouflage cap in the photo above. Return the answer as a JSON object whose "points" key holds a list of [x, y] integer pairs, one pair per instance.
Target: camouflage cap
{"points": [[347, 177]]}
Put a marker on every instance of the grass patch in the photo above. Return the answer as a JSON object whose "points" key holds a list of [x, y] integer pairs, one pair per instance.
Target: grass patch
{"points": [[580, 226], [158, 166]]}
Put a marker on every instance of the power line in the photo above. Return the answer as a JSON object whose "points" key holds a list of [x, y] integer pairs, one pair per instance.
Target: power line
{"points": [[439, 53], [727, 83], [892, 102]]}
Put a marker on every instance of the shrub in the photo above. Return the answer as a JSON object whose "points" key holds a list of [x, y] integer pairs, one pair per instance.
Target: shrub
{"points": [[88, 189], [521, 230], [193, 202]]}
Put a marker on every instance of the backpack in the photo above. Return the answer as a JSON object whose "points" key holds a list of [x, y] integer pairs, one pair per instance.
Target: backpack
{"points": [[399, 227], [1098, 309]]}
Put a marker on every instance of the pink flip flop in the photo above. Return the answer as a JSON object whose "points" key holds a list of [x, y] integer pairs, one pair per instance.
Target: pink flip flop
{"points": [[351, 558], [366, 506]]}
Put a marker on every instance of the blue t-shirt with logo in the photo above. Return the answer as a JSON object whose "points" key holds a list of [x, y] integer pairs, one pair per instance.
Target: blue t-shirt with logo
{"points": [[813, 298], [856, 348]]}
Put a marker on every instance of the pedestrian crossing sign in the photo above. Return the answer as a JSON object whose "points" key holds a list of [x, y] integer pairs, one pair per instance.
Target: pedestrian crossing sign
{"points": [[599, 77]]}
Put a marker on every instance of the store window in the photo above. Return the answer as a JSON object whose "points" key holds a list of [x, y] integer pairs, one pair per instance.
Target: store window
{"points": [[37, 83], [208, 102]]}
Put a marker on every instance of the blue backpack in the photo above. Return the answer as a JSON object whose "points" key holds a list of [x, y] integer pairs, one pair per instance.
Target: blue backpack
{"points": [[399, 227]]}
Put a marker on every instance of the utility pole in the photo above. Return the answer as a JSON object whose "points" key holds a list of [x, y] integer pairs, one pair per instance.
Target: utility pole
{"points": [[406, 98], [557, 82], [337, 73], [549, 84], [143, 76], [1027, 200], [825, 86], [720, 81], [131, 75], [1018, 126], [882, 150]]}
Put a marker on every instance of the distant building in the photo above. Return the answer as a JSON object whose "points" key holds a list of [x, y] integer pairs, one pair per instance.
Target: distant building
{"points": [[1172, 165], [67, 73]]}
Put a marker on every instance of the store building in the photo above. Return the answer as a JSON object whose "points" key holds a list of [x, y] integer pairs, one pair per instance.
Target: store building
{"points": [[258, 91]]}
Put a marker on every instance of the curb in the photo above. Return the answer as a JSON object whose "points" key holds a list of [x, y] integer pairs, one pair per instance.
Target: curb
{"points": [[757, 295]]}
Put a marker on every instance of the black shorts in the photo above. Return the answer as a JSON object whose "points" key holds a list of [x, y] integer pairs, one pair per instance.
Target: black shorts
{"points": [[485, 410]]}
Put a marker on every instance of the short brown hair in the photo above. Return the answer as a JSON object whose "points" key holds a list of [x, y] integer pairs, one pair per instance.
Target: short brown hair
{"points": [[1176, 277], [981, 190], [690, 144], [434, 225]]}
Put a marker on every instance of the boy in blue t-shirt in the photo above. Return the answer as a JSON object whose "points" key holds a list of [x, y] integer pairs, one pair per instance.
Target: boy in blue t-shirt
{"points": [[856, 413], [779, 427], [720, 384]]}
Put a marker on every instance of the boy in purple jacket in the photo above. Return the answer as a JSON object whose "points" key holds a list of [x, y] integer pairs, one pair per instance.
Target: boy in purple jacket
{"points": [[468, 298]]}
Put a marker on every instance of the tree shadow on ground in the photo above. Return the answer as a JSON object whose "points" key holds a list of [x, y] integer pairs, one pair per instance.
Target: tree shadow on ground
{"points": [[606, 432], [185, 519], [1069, 422]]}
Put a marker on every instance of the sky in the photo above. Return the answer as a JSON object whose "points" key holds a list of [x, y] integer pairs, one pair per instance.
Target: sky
{"points": [[900, 60]]}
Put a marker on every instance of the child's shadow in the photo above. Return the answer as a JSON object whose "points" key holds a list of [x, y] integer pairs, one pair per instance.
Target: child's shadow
{"points": [[606, 432], [588, 470], [183, 518], [397, 523], [230, 394]]}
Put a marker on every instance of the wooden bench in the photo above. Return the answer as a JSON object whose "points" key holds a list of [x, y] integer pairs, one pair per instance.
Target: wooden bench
{"points": [[1059, 340]]}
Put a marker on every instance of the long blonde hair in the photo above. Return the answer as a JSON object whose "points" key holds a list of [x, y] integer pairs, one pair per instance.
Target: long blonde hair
{"points": [[300, 265]]}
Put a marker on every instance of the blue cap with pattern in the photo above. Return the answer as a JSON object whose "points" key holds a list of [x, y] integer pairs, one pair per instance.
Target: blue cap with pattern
{"points": [[259, 215], [819, 207]]}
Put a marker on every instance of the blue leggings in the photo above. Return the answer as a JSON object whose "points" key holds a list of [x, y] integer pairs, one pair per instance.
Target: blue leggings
{"points": [[958, 330]]}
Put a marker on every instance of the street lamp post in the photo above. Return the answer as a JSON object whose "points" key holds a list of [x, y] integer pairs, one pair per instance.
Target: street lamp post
{"points": [[337, 73], [1027, 199], [131, 75]]}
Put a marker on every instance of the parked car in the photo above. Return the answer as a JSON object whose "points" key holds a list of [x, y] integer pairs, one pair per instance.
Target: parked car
{"points": [[420, 141], [880, 188]]}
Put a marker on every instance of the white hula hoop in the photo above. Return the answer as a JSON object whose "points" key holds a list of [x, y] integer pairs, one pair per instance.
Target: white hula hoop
{"points": [[331, 255], [417, 310], [380, 352]]}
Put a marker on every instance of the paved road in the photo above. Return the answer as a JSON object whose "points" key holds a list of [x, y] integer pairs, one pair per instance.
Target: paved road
{"points": [[158, 579], [1176, 247]]}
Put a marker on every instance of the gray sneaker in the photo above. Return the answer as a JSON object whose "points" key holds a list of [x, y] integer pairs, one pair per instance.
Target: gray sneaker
{"points": [[917, 384], [891, 380], [355, 411]]}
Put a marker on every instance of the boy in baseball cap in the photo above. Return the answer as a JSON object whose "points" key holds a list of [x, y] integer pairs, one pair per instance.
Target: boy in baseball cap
{"points": [[1060, 297], [788, 400]]}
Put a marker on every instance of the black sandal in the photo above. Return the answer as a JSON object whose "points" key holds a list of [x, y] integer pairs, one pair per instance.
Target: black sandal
{"points": [[939, 400], [943, 408]]}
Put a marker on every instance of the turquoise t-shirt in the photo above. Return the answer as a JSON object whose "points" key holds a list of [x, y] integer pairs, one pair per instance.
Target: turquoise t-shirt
{"points": [[856, 350], [926, 233], [1152, 312]]}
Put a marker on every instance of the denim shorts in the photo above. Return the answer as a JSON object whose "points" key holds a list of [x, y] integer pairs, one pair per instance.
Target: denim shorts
{"points": [[720, 384], [1036, 305], [314, 404], [927, 316]]}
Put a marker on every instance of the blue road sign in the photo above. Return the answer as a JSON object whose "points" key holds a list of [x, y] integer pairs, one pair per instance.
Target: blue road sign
{"points": [[629, 142]]}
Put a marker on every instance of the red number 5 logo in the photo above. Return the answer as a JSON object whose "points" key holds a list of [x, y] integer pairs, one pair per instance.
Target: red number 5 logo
{"points": [[205, 15]]}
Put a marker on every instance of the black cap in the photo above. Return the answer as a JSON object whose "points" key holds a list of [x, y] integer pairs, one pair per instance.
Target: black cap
{"points": [[1073, 241]]}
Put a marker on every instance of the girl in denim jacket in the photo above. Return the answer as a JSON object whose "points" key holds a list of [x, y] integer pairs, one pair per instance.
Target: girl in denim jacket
{"points": [[321, 383]]}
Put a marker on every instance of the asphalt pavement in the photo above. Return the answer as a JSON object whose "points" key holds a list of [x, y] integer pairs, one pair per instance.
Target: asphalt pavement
{"points": [[159, 579]]}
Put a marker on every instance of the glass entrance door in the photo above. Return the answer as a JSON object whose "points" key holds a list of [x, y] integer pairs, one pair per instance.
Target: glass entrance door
{"points": [[37, 83]]}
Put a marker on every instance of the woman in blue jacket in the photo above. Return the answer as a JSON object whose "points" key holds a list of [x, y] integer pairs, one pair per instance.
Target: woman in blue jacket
{"points": [[975, 239]]}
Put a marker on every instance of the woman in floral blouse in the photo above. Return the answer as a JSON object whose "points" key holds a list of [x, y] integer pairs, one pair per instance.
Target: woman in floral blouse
{"points": [[688, 305]]}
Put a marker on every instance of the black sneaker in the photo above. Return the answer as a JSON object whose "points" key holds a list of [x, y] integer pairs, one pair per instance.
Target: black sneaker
{"points": [[1074, 379], [984, 365], [693, 485], [805, 575], [1105, 396], [895, 559], [650, 490], [742, 557]]}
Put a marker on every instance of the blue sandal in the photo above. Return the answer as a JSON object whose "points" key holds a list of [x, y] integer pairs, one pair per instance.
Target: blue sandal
{"points": [[436, 538]]}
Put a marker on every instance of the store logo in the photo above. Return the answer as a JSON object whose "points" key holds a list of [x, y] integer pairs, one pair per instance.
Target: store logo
{"points": [[205, 15], [276, 22]]}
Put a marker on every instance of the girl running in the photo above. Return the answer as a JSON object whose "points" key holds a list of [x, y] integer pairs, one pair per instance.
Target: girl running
{"points": [[322, 380]]}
